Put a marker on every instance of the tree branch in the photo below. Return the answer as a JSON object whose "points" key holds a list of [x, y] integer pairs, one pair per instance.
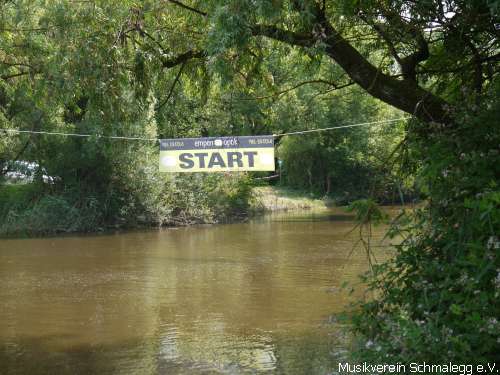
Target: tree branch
{"points": [[321, 81], [8, 76], [409, 63], [403, 94], [155, 41], [191, 54], [171, 91], [381, 32], [188, 7], [286, 36], [15, 64]]}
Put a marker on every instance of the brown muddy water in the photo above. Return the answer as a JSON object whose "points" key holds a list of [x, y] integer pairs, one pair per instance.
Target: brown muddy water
{"points": [[253, 298]]}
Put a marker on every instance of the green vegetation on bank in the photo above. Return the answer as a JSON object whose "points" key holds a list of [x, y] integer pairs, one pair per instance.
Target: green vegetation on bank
{"points": [[238, 67], [105, 70], [276, 198], [439, 296], [29, 209]]}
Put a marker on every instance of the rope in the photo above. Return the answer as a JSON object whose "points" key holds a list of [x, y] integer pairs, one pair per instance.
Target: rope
{"points": [[340, 127], [16, 131]]}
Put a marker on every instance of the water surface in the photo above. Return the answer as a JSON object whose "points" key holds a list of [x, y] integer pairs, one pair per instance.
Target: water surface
{"points": [[253, 297]]}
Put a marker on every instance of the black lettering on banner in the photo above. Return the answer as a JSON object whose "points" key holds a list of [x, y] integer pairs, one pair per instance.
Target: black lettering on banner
{"points": [[186, 162], [201, 158], [234, 157], [250, 155], [216, 160]]}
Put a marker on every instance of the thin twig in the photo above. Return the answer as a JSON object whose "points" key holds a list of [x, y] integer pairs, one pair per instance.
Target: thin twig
{"points": [[278, 94], [177, 77]]}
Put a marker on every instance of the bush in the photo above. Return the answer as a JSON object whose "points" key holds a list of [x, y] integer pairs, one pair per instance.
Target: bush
{"points": [[348, 165], [205, 198], [49, 215], [147, 200], [438, 299]]}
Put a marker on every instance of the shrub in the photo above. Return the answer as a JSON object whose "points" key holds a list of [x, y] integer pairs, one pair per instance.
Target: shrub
{"points": [[438, 299]]}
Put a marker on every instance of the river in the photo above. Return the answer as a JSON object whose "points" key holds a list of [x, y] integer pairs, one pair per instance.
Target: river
{"points": [[254, 297]]}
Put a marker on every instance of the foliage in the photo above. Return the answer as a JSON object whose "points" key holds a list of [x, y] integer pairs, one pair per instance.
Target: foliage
{"points": [[51, 214], [75, 68], [367, 212], [346, 164], [212, 198], [440, 294], [112, 69]]}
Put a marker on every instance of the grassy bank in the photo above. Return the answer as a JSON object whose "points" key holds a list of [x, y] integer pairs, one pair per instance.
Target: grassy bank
{"points": [[274, 198]]}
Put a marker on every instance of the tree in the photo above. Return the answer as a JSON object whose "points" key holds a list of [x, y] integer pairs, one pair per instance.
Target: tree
{"points": [[424, 39]]}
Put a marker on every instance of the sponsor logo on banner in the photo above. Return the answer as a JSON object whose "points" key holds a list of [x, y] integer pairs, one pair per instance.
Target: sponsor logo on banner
{"points": [[216, 154]]}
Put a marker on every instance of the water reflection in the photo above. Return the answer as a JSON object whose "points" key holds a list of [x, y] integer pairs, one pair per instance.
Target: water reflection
{"points": [[240, 298]]}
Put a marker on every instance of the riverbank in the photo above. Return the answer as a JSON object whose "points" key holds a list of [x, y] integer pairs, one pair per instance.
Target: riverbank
{"points": [[39, 209], [28, 210], [274, 198]]}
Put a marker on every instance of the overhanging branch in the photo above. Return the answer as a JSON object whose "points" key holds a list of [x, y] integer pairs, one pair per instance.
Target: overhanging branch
{"points": [[9, 76], [191, 54], [171, 91], [314, 81], [286, 36], [403, 94], [182, 5]]}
